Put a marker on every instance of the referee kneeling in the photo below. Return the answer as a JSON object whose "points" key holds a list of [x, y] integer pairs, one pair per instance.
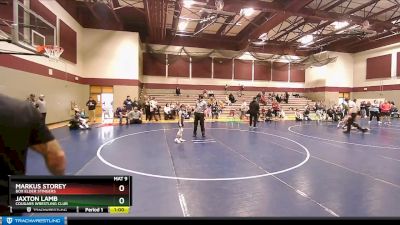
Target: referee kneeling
{"points": [[201, 106]]}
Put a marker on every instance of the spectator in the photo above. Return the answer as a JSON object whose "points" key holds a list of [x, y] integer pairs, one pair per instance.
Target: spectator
{"points": [[78, 123], [215, 110], [243, 109], [128, 103], [232, 98], [367, 107], [135, 116], [154, 110], [268, 115], [42, 108], [91, 104], [226, 89], [385, 111], [177, 91], [121, 113], [32, 100], [275, 107], [135, 103], [17, 133], [286, 97], [298, 115], [363, 113], [227, 101], [211, 94], [254, 109], [167, 112]]}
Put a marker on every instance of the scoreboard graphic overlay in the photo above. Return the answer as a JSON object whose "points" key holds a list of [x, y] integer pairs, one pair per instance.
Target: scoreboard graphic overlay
{"points": [[75, 194]]}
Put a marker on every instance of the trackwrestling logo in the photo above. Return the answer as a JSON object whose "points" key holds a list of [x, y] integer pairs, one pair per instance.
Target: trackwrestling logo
{"points": [[33, 220]]}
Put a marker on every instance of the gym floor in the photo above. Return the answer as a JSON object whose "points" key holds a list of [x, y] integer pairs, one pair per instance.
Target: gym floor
{"points": [[280, 169]]}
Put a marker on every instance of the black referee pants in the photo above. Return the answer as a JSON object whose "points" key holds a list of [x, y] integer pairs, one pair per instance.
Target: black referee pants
{"points": [[197, 117]]}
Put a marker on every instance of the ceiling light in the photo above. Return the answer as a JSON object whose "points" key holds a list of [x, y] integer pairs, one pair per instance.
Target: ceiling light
{"points": [[247, 12], [182, 25], [340, 24], [306, 39], [263, 36], [188, 3]]}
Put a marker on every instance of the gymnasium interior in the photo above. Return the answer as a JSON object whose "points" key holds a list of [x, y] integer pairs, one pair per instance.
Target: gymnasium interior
{"points": [[296, 58]]}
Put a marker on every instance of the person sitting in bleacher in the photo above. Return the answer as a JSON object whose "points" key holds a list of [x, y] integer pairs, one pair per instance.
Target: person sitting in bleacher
{"points": [[276, 107], [263, 100], [268, 115], [306, 113], [296, 95], [135, 116], [172, 107], [167, 112], [330, 112], [287, 97], [210, 94], [215, 111], [177, 91], [205, 93], [394, 111], [227, 101], [298, 115], [282, 114], [232, 98]]}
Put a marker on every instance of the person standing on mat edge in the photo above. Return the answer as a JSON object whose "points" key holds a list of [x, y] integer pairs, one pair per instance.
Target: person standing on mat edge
{"points": [[254, 110], [201, 106], [17, 133], [91, 104], [351, 120]]}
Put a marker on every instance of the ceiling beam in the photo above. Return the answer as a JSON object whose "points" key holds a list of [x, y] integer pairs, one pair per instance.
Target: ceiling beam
{"points": [[210, 42], [90, 7], [203, 16], [325, 24], [334, 5], [177, 14], [308, 13], [377, 42], [279, 17], [383, 11], [223, 26], [156, 12], [290, 30]]}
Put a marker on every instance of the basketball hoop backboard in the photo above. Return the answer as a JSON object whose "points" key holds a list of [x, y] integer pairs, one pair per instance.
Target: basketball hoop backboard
{"points": [[26, 28]]}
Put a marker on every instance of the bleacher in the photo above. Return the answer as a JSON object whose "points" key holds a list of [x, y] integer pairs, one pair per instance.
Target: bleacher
{"points": [[163, 97]]}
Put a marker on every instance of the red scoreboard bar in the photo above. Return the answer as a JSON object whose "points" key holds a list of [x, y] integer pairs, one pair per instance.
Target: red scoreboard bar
{"points": [[78, 194]]}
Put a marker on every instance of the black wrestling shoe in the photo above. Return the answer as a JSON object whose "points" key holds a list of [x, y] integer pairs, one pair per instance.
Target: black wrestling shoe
{"points": [[346, 132], [194, 135], [203, 135]]}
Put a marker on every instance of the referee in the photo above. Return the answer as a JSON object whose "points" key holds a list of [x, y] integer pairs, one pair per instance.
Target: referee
{"points": [[201, 106], [16, 135]]}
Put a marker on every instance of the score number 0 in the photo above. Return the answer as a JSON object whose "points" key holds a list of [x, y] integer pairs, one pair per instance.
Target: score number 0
{"points": [[121, 188]]}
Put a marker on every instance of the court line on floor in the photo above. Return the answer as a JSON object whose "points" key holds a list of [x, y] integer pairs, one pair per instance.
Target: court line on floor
{"points": [[181, 196], [280, 180], [201, 179], [342, 142], [398, 160], [346, 168]]}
